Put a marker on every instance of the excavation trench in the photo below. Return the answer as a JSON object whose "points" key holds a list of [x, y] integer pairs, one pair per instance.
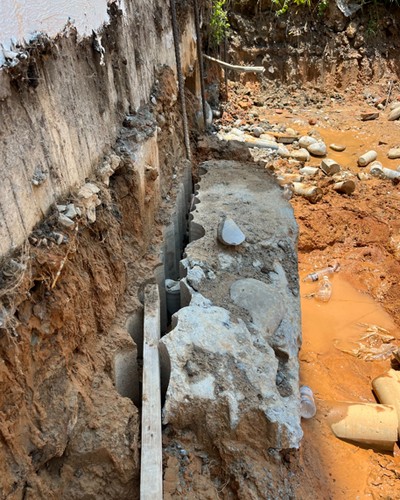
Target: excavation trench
{"points": [[212, 301], [74, 297]]}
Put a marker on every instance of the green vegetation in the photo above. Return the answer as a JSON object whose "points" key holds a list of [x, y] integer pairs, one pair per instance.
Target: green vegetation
{"points": [[219, 24], [284, 6]]}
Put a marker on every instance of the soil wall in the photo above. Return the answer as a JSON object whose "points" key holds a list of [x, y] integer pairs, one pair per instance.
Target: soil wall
{"points": [[325, 50], [70, 295]]}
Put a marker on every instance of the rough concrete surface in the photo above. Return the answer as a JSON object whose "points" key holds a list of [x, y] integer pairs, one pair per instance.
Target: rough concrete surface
{"points": [[233, 349]]}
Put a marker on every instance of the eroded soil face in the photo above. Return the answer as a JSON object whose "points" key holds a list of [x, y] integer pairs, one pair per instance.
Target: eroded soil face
{"points": [[361, 231]]}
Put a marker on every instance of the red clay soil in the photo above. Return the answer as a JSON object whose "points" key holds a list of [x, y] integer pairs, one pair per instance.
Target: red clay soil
{"points": [[361, 231]]}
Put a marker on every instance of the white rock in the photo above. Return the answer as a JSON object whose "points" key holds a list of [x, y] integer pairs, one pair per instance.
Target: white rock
{"points": [[283, 151], [309, 171], [88, 190], [257, 131], [394, 153], [394, 114], [237, 132], [229, 233], [252, 142], [65, 221], [337, 147], [268, 137], [317, 149], [71, 211], [301, 155], [306, 141]]}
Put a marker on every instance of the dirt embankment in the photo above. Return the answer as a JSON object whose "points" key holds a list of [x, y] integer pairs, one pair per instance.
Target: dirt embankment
{"points": [[327, 51], [65, 432]]}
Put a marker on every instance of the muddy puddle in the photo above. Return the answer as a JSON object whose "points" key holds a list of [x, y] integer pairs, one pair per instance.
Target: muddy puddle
{"points": [[343, 469], [340, 318]]}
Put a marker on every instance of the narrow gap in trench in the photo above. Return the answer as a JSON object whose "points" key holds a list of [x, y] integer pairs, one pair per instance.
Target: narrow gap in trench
{"points": [[177, 235]]}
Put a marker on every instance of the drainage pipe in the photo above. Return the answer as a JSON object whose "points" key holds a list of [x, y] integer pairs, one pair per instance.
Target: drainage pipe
{"points": [[175, 30], [244, 69], [151, 453]]}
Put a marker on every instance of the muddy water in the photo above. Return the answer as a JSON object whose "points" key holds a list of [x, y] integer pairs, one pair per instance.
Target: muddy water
{"points": [[19, 19], [323, 323], [344, 469]]}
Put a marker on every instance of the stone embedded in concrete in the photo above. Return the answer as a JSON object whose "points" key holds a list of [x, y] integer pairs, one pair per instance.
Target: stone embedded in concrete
{"points": [[263, 301], [229, 233], [195, 276], [228, 378]]}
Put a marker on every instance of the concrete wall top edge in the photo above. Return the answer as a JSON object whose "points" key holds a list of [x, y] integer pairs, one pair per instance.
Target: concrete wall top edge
{"points": [[20, 21]]}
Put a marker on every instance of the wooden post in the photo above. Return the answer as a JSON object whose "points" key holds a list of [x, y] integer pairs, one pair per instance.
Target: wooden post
{"points": [[151, 454]]}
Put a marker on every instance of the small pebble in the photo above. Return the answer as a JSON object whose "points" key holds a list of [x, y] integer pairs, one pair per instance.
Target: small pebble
{"points": [[337, 147]]}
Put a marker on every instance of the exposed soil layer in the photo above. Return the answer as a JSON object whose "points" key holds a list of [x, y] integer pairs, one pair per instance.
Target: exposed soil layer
{"points": [[65, 432]]}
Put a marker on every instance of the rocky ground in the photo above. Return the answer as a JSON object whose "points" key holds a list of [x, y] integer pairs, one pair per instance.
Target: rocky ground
{"points": [[359, 230]]}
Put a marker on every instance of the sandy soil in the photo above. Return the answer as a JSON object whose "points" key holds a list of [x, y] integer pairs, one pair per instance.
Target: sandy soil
{"points": [[361, 231]]}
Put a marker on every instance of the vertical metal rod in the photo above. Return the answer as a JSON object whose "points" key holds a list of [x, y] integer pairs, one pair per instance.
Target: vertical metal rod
{"points": [[175, 31], [200, 59]]}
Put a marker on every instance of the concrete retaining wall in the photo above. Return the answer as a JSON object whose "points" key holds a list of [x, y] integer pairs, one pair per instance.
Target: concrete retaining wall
{"points": [[61, 109]]}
